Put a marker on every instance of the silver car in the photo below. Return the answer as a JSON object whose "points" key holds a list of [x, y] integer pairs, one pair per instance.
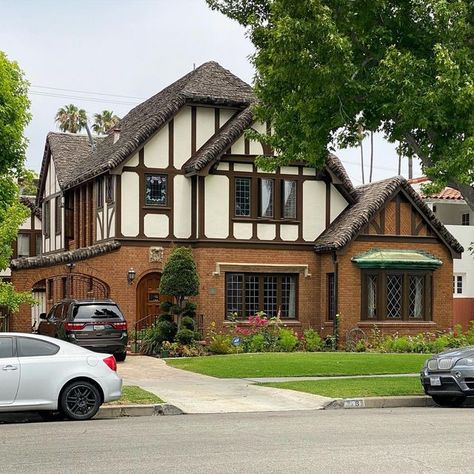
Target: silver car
{"points": [[449, 376]]}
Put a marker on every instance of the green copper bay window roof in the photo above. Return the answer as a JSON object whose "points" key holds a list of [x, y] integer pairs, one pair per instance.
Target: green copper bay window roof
{"points": [[401, 259]]}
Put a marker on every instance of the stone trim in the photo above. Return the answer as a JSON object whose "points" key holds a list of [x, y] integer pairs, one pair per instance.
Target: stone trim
{"points": [[261, 268]]}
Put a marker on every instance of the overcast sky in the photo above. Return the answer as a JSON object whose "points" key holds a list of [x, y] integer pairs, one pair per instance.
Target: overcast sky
{"points": [[112, 54]]}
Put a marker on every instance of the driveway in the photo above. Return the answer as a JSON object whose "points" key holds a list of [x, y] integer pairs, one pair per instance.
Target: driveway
{"points": [[195, 393]]}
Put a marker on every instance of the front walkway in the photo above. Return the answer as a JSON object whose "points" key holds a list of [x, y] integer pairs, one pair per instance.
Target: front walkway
{"points": [[195, 393]]}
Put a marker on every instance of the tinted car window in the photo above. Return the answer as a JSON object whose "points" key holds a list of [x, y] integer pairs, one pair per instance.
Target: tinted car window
{"points": [[96, 311], [6, 347], [29, 347], [58, 312]]}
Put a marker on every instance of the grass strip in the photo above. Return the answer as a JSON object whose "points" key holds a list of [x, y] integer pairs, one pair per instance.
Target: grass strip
{"points": [[134, 395], [355, 388], [298, 364]]}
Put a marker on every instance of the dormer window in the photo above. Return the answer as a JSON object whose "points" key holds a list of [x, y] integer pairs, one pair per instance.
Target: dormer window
{"points": [[156, 190]]}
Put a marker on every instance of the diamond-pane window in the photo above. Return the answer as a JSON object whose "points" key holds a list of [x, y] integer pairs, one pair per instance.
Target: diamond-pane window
{"points": [[156, 190], [394, 296], [416, 290], [242, 196]]}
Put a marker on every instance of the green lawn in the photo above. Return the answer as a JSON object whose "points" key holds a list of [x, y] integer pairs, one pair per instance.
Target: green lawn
{"points": [[297, 364], [133, 395], [361, 387]]}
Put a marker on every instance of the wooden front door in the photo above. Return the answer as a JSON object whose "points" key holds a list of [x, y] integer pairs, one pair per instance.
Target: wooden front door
{"points": [[148, 299]]}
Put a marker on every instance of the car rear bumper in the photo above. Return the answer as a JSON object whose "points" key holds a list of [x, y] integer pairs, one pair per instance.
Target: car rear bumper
{"points": [[111, 386], [105, 346]]}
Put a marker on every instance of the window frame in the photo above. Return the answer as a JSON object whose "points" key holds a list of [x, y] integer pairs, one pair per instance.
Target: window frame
{"points": [[465, 218], [20, 236], [109, 189], [381, 295], [331, 296], [458, 283], [283, 215], [261, 290], [260, 198], [57, 215], [47, 218], [167, 188], [243, 216], [100, 192]]}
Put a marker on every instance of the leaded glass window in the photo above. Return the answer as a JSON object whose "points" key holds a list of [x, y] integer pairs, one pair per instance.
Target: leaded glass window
{"points": [[266, 198], [156, 190], [234, 287], [242, 196], [249, 293], [372, 296], [416, 290], [289, 199], [394, 296]]}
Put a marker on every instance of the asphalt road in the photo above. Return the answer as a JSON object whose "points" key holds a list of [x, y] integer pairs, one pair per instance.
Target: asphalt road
{"points": [[350, 441]]}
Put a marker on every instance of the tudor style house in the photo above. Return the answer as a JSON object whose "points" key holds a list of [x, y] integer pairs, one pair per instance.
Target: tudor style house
{"points": [[452, 210], [298, 242]]}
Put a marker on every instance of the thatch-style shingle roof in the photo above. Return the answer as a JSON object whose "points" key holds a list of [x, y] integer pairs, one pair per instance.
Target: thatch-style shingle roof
{"points": [[29, 202], [209, 84], [64, 257], [370, 198]]}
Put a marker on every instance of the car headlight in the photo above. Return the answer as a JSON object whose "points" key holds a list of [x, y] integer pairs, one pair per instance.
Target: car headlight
{"points": [[467, 361]]}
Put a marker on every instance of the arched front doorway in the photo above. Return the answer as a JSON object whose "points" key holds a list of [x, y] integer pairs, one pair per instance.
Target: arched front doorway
{"points": [[149, 299]]}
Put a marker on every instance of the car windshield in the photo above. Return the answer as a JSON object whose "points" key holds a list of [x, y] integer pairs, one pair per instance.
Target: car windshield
{"points": [[92, 311]]}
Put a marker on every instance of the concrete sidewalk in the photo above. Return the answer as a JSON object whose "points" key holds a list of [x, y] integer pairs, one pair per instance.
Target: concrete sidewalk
{"points": [[195, 393]]}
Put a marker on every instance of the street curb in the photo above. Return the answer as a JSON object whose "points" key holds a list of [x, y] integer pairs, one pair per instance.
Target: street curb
{"points": [[380, 402], [119, 411]]}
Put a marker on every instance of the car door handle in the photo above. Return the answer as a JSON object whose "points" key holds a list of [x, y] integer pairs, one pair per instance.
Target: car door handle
{"points": [[10, 367]]}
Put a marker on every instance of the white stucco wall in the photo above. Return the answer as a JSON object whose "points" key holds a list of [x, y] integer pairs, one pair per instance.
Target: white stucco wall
{"points": [[216, 204], [243, 230], [182, 137], [338, 203], [205, 125], [156, 150], [156, 225], [130, 204], [314, 209], [182, 207]]}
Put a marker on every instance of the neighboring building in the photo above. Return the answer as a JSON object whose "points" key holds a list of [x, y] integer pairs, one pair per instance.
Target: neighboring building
{"points": [[178, 170], [451, 209], [27, 244]]}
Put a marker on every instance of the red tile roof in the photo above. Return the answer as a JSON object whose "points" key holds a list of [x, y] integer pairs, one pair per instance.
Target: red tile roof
{"points": [[446, 193]]}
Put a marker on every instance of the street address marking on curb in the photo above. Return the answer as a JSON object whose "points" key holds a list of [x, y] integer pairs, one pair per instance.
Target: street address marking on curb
{"points": [[354, 403]]}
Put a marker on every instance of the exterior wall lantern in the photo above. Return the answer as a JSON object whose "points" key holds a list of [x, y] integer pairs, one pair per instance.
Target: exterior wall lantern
{"points": [[131, 275]]}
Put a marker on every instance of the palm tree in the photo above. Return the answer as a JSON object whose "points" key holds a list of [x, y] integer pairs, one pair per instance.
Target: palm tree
{"points": [[71, 119], [104, 122]]}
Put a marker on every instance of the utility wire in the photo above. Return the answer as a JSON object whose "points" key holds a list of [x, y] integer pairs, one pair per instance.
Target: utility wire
{"points": [[89, 99], [88, 92]]}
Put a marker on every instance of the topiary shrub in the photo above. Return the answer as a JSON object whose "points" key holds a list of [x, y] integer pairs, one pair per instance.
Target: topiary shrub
{"points": [[187, 323], [185, 336]]}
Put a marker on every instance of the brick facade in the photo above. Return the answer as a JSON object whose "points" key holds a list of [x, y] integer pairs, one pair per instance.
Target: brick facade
{"points": [[312, 295]]}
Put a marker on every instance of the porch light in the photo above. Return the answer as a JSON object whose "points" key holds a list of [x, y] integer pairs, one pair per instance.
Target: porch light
{"points": [[131, 276]]}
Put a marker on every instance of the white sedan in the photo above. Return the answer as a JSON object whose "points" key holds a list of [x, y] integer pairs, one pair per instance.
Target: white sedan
{"points": [[43, 373]]}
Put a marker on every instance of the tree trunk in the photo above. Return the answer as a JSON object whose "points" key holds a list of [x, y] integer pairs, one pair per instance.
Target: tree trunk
{"points": [[466, 191], [371, 155], [399, 162], [362, 161]]}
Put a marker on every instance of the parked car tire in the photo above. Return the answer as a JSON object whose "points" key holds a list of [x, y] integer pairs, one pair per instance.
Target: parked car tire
{"points": [[80, 400], [120, 356], [448, 400]]}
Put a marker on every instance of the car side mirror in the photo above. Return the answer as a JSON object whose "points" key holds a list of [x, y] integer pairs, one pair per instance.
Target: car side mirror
{"points": [[42, 315]]}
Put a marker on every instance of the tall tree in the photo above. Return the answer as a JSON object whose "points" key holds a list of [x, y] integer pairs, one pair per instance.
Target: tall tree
{"points": [[14, 116], [71, 118], [403, 67], [104, 121]]}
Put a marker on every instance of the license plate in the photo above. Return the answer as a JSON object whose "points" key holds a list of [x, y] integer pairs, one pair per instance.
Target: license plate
{"points": [[435, 381], [99, 327]]}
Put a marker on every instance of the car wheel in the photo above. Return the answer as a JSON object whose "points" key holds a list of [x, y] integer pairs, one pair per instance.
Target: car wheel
{"points": [[448, 400], [120, 356], [80, 400]]}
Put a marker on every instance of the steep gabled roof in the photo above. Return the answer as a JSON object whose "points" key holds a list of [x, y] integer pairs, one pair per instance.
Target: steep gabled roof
{"points": [[210, 84], [70, 152], [29, 202], [370, 198]]}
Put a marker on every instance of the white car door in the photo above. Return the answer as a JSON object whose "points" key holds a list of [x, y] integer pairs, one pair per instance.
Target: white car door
{"points": [[9, 370]]}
